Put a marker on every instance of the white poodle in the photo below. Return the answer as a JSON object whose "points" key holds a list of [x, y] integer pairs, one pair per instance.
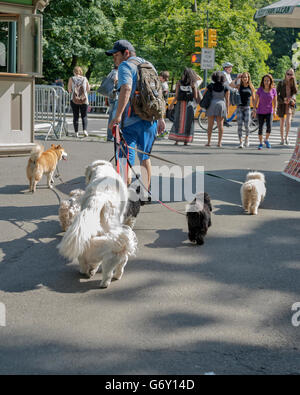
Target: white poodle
{"points": [[97, 235], [69, 208], [253, 192]]}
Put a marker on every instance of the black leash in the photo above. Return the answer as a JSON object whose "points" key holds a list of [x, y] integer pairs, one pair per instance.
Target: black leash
{"points": [[119, 144], [164, 160]]}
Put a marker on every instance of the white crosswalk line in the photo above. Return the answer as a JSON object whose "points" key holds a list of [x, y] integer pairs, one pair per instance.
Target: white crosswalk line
{"points": [[230, 137]]}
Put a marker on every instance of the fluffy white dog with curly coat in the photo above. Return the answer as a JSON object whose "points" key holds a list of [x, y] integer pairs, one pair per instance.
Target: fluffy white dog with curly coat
{"points": [[253, 192], [97, 235], [69, 208]]}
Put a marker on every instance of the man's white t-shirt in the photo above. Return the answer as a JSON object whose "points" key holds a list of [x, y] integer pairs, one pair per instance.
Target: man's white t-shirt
{"points": [[228, 77]]}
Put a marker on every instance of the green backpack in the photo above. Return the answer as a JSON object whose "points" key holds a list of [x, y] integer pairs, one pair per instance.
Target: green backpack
{"points": [[148, 101]]}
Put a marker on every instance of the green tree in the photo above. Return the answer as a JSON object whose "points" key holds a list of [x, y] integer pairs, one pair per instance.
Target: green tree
{"points": [[75, 33], [283, 64], [162, 31]]}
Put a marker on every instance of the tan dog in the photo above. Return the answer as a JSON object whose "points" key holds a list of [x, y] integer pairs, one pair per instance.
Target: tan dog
{"points": [[69, 208], [41, 162]]}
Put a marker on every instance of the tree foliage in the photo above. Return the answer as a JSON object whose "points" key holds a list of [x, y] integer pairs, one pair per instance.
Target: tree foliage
{"points": [[77, 32]]}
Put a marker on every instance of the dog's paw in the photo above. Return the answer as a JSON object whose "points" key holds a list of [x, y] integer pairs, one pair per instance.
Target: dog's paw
{"points": [[104, 284], [118, 274], [91, 273]]}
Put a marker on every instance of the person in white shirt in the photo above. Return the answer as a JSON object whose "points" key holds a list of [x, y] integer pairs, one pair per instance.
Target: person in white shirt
{"points": [[230, 83], [164, 78]]}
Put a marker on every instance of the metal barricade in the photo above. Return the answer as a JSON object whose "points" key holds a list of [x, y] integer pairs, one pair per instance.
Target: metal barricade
{"points": [[97, 103], [51, 105]]}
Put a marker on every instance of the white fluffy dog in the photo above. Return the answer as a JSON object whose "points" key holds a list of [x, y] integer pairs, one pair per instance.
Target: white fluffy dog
{"points": [[97, 235], [253, 192], [69, 208]]}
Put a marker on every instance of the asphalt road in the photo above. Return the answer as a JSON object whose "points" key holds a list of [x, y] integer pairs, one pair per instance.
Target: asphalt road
{"points": [[224, 307]]}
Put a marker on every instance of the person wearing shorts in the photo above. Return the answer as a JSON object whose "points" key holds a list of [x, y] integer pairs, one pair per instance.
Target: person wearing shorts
{"points": [[136, 131]]}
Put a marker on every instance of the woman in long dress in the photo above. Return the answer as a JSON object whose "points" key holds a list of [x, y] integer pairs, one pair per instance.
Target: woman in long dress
{"points": [[186, 95]]}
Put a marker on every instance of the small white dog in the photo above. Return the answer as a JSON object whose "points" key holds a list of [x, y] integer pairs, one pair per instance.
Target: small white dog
{"points": [[97, 235], [253, 192], [69, 208]]}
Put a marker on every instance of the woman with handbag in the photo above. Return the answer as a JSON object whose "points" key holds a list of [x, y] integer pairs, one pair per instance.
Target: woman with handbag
{"points": [[186, 92], [79, 87], [219, 105], [286, 101]]}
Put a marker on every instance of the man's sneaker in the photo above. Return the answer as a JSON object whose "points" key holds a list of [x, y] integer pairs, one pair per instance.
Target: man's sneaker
{"points": [[247, 144], [162, 135], [85, 133], [77, 134], [241, 145], [268, 145], [260, 146]]}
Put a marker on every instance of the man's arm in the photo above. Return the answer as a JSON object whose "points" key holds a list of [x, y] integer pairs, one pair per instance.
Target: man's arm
{"points": [[123, 99]]}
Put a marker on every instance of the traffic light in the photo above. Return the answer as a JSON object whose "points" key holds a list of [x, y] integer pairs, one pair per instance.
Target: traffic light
{"points": [[199, 38], [212, 38], [196, 58]]}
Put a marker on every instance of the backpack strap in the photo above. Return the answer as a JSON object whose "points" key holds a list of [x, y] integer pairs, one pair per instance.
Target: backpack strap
{"points": [[134, 61]]}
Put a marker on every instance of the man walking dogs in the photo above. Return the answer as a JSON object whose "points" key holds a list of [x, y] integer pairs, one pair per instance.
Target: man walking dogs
{"points": [[136, 131]]}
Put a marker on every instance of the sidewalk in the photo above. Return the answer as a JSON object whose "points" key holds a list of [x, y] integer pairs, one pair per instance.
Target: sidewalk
{"points": [[224, 307]]}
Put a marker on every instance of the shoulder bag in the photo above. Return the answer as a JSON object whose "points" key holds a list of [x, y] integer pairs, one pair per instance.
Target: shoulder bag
{"points": [[206, 100]]}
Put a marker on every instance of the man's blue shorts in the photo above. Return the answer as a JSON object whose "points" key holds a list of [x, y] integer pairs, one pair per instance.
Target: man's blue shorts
{"points": [[141, 135]]}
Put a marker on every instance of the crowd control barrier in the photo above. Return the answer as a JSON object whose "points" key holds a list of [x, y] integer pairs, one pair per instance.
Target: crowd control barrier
{"points": [[51, 105], [292, 170]]}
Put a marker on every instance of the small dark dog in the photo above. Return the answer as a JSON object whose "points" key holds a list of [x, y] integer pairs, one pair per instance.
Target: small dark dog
{"points": [[133, 205], [199, 218]]}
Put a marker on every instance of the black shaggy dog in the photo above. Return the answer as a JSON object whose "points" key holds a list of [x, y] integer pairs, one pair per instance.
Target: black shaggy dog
{"points": [[134, 204], [199, 218]]}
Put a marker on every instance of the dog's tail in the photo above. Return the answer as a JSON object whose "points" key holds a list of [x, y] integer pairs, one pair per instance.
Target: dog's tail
{"points": [[86, 225], [36, 152], [125, 241]]}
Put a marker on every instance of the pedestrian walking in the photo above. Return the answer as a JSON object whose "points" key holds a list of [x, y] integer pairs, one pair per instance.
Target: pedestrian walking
{"points": [[246, 91], [286, 98], [230, 83], [78, 87], [136, 131], [112, 101], [164, 78], [266, 97], [186, 93], [59, 82], [219, 105]]}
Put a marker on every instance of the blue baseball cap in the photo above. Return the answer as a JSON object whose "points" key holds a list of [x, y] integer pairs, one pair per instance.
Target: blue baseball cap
{"points": [[120, 45]]}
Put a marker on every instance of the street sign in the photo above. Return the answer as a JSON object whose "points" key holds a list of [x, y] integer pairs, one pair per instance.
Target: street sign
{"points": [[208, 58]]}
